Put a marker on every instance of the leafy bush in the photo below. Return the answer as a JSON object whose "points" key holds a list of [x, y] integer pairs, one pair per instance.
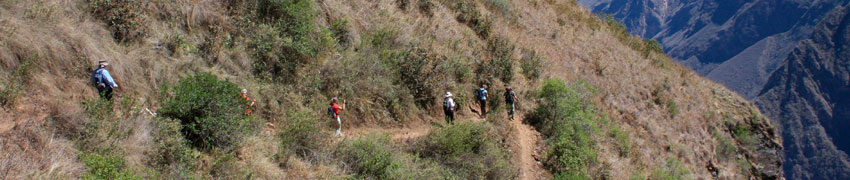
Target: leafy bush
{"points": [[426, 7], [568, 120], [294, 18], [501, 63], [472, 17], [300, 135], [106, 166], [502, 6], [277, 56], [211, 111], [373, 157], [532, 64], [418, 72], [470, 149], [171, 154], [340, 31], [744, 135], [672, 170], [12, 90], [284, 37], [125, 18], [725, 147]]}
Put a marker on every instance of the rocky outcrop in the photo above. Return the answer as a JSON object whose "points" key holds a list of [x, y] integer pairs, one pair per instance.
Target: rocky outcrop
{"points": [[735, 42], [809, 96]]}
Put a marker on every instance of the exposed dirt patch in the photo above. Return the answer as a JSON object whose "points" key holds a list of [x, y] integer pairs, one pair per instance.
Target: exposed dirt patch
{"points": [[526, 152]]}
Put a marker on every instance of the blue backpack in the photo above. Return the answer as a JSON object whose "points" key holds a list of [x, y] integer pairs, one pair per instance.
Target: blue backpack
{"points": [[482, 94], [97, 78]]}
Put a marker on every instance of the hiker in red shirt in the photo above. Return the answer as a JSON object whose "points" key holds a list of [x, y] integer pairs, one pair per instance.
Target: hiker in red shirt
{"points": [[336, 108], [251, 105]]}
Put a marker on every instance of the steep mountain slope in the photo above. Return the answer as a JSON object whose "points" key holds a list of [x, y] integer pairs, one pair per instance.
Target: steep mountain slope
{"points": [[645, 116], [809, 95], [737, 43]]}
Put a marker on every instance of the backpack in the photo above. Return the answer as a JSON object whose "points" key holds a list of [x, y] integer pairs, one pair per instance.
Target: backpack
{"points": [[482, 94], [510, 96], [331, 112], [97, 78], [447, 107]]}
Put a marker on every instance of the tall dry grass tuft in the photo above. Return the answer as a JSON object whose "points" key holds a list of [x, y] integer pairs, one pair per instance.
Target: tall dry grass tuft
{"points": [[31, 151]]}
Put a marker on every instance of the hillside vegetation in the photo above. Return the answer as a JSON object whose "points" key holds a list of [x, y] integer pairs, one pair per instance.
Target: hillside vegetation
{"points": [[607, 105]]}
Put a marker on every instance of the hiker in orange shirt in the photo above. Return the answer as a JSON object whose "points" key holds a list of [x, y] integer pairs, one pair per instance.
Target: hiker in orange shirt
{"points": [[250, 105]]}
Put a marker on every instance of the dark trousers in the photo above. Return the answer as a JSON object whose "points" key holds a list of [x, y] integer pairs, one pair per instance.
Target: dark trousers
{"points": [[105, 93], [483, 107], [511, 110], [450, 117]]}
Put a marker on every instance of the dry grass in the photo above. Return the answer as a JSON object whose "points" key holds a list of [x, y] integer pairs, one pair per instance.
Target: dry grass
{"points": [[68, 41]]}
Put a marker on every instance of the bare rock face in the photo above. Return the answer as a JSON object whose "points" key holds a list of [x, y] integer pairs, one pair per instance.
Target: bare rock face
{"points": [[738, 43], [809, 96]]}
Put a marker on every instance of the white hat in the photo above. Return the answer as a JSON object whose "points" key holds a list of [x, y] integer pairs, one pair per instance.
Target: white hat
{"points": [[102, 62], [244, 90], [448, 94]]}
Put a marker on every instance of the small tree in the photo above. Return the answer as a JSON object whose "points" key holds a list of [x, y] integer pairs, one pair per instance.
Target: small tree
{"points": [[211, 112]]}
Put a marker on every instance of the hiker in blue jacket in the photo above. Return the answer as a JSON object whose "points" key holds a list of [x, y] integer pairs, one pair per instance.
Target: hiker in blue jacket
{"points": [[482, 99], [103, 81]]}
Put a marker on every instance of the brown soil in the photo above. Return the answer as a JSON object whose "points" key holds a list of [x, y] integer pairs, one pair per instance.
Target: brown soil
{"points": [[526, 152]]}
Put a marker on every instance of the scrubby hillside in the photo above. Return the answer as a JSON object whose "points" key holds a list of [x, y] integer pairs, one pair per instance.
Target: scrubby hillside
{"points": [[605, 104]]}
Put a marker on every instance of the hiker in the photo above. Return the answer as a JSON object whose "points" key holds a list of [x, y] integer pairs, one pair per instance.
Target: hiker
{"points": [[251, 104], [449, 108], [335, 108], [482, 99], [103, 81], [510, 99]]}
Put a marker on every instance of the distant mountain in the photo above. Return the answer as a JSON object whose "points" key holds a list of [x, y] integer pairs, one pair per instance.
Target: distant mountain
{"points": [[810, 95], [735, 42], [745, 45]]}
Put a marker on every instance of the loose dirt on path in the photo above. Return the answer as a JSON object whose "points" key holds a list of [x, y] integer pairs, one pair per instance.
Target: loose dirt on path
{"points": [[524, 146]]}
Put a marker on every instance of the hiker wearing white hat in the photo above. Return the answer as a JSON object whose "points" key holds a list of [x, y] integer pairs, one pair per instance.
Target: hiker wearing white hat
{"points": [[449, 107], [103, 81], [251, 102]]}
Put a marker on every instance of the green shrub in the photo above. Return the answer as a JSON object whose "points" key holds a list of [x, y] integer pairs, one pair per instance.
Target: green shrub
{"points": [[340, 31], [11, 91], [277, 56], [744, 135], [672, 170], [284, 37], [211, 111], [472, 17], [300, 135], [171, 153], [125, 18], [402, 4], [622, 138], [418, 72], [725, 147], [567, 119], [470, 149], [500, 64], [532, 64], [106, 166], [501, 6], [180, 45], [382, 39], [225, 166], [373, 157], [426, 7]]}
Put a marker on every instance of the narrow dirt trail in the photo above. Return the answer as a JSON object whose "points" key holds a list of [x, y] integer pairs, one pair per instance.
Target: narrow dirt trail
{"points": [[524, 146]]}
